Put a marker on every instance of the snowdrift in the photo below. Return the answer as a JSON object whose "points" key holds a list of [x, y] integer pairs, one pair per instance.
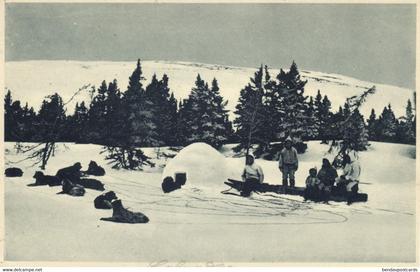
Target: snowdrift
{"points": [[204, 165]]}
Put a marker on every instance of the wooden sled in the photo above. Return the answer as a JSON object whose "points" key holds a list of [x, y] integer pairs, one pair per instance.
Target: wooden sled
{"points": [[279, 189]]}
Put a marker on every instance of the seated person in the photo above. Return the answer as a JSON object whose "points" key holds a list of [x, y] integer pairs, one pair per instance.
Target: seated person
{"points": [[251, 176], [348, 182], [327, 175], [313, 186]]}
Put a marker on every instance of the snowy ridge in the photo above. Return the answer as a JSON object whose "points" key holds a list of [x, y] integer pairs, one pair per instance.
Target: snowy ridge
{"points": [[31, 81]]}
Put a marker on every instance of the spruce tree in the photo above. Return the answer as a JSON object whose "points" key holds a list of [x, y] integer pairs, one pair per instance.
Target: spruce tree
{"points": [[97, 122], [140, 130], [51, 120], [407, 126], [77, 123], [355, 132], [11, 111], [310, 112], [295, 122], [113, 116], [323, 117], [202, 116], [372, 124], [136, 126], [164, 107], [250, 114], [387, 125]]}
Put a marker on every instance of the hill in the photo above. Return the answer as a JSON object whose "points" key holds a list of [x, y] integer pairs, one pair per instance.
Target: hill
{"points": [[31, 81]]}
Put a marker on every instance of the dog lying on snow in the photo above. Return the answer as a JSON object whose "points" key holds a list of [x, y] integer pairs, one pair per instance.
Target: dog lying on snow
{"points": [[122, 215], [74, 174], [71, 173], [104, 201], [41, 179], [13, 172], [91, 184], [94, 169], [72, 189]]}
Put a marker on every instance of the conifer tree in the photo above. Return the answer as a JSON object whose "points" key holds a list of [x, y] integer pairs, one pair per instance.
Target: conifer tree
{"points": [[295, 122], [355, 132], [77, 123], [136, 129], [202, 116], [139, 127], [406, 129], [12, 111], [323, 117], [97, 122], [372, 124], [387, 125], [164, 107], [250, 113]]}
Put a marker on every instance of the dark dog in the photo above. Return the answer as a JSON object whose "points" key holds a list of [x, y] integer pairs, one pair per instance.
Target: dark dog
{"points": [[13, 172], [95, 170], [91, 184], [41, 179], [71, 173], [122, 215], [104, 201], [72, 189], [169, 185]]}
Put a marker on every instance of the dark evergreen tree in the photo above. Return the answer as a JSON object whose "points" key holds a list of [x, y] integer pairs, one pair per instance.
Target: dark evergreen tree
{"points": [[336, 122], [164, 108], [12, 117], [272, 111], [310, 112], [51, 120], [295, 122], [323, 117], [77, 123], [28, 119], [372, 126], [221, 126], [96, 117], [352, 132], [355, 132], [406, 128], [134, 120], [250, 114], [139, 127], [113, 115], [387, 125], [203, 117]]}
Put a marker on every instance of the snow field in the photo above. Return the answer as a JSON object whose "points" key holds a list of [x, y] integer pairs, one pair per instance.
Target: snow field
{"points": [[195, 224]]}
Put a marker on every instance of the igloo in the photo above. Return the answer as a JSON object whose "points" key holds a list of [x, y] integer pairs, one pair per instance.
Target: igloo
{"points": [[205, 166]]}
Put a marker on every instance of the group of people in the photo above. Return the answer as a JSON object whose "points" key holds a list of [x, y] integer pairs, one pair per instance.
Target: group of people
{"points": [[319, 184]]}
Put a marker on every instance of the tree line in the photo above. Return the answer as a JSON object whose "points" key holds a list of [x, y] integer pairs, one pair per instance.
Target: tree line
{"points": [[269, 110]]}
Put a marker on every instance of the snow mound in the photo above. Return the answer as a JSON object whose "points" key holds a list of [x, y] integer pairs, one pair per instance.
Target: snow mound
{"points": [[204, 165]]}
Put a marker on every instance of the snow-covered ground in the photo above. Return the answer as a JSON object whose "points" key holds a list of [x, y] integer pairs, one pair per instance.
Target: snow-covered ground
{"points": [[31, 81], [194, 224]]}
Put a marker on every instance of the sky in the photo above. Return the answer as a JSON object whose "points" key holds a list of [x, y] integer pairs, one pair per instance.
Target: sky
{"points": [[371, 42]]}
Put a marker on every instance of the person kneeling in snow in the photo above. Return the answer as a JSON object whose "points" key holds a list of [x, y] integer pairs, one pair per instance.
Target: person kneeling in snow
{"points": [[348, 183], [252, 176]]}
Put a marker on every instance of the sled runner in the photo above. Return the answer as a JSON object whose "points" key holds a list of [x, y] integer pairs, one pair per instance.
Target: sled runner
{"points": [[265, 187]]}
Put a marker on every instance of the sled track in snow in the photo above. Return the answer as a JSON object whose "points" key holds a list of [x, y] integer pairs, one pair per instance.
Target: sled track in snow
{"points": [[265, 209]]}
